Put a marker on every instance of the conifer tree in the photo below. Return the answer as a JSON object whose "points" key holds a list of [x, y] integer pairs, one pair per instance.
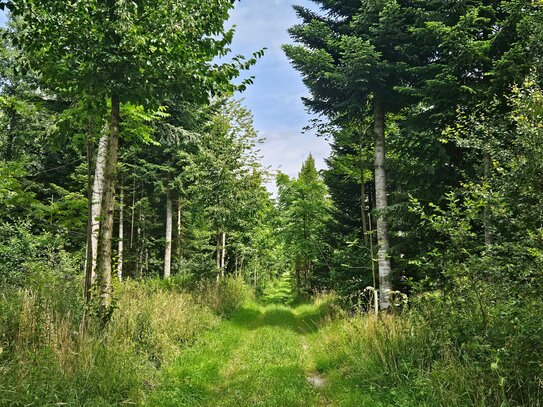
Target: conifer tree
{"points": [[356, 55]]}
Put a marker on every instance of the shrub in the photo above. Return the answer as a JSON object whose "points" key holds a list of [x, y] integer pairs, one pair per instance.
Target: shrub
{"points": [[224, 297]]}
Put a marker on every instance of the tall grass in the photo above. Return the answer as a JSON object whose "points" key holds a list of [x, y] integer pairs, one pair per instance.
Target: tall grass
{"points": [[396, 358], [47, 359]]}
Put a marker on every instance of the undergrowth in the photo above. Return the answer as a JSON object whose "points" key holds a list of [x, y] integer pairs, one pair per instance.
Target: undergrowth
{"points": [[47, 358], [401, 360]]}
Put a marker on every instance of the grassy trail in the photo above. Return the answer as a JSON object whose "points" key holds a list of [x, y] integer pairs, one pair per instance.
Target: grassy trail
{"points": [[257, 358], [262, 356]]}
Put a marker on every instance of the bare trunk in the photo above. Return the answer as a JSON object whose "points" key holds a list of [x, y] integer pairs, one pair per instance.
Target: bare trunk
{"points": [[96, 206], [363, 214], [89, 254], [133, 213], [179, 235], [489, 237], [121, 236], [168, 249], [381, 203], [218, 257], [140, 240], [104, 263], [223, 253]]}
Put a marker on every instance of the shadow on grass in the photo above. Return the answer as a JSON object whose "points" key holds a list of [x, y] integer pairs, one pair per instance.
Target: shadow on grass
{"points": [[305, 318]]}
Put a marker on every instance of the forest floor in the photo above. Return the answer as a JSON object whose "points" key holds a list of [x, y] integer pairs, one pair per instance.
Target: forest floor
{"points": [[261, 356]]}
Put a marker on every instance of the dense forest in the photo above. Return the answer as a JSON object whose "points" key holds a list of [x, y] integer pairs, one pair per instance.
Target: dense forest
{"points": [[143, 260]]}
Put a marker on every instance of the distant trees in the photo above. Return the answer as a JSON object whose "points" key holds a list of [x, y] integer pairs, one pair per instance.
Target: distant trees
{"points": [[304, 210]]}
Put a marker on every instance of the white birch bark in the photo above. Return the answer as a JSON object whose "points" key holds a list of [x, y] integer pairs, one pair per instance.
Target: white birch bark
{"points": [[96, 206], [105, 235], [168, 249], [381, 203], [223, 253], [120, 253]]}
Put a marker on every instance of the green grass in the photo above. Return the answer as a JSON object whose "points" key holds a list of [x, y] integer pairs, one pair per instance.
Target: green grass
{"points": [[261, 356], [280, 291], [257, 358]]}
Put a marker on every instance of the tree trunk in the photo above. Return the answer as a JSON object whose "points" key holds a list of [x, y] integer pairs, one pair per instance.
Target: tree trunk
{"points": [[96, 207], [140, 235], [381, 203], [489, 236], [104, 263], [218, 257], [133, 213], [89, 254], [168, 249], [363, 214], [179, 235], [120, 253], [223, 253]]}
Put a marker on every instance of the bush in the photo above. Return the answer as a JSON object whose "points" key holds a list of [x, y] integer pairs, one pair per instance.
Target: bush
{"points": [[224, 297], [440, 353]]}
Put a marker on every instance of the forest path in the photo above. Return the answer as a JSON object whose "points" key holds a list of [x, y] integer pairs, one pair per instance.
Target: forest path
{"points": [[259, 357]]}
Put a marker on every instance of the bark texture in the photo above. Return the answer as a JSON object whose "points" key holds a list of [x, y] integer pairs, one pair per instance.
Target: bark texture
{"points": [[381, 203], [179, 234], [120, 252], [363, 215], [168, 249], [96, 206], [104, 260], [89, 253]]}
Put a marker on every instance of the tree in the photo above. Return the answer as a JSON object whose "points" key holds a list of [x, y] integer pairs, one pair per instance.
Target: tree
{"points": [[304, 207], [358, 54], [227, 158], [103, 51]]}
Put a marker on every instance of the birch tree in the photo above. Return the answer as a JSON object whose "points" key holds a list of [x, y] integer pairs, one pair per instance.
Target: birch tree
{"points": [[120, 51]]}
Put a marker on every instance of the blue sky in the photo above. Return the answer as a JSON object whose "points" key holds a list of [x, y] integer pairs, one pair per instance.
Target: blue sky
{"points": [[275, 97]]}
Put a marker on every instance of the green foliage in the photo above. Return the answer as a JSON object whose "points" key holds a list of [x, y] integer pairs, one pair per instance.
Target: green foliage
{"points": [[304, 208], [46, 358], [24, 254], [224, 297]]}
